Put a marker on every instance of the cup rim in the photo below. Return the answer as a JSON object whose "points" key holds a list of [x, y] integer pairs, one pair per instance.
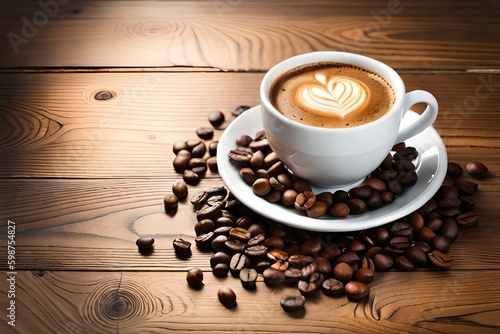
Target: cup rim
{"points": [[368, 63]]}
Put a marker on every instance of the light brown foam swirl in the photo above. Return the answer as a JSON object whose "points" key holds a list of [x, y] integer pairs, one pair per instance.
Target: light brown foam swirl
{"points": [[339, 95]]}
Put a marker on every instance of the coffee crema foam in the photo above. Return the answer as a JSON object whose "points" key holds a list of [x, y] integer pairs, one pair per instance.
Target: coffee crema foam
{"points": [[332, 95]]}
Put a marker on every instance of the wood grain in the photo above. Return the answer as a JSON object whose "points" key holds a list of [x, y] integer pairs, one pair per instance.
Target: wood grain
{"points": [[138, 302], [247, 35], [53, 128]]}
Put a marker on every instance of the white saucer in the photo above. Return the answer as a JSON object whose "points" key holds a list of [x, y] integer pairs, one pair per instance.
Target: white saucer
{"points": [[431, 166]]}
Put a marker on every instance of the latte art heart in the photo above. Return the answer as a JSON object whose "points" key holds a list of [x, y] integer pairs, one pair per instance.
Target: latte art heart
{"points": [[335, 95]]}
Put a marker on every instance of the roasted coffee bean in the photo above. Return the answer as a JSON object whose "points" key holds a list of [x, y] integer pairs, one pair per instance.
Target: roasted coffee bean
{"points": [[392, 251], [216, 118], [170, 203], [376, 184], [467, 219], [380, 236], [356, 206], [220, 270], [404, 166], [273, 196], [227, 297], [424, 234], [449, 229], [356, 246], [260, 266], [400, 242], [450, 202], [219, 257], [292, 275], [218, 244], [401, 228], [340, 196], [330, 252], [180, 189], [239, 110], [182, 248], [191, 143], [423, 246], [199, 199], [416, 255], [181, 161], [194, 278], [305, 200], [339, 210], [276, 254], [441, 243], [446, 192], [343, 272], [395, 187], [179, 146], [257, 228], [240, 156], [292, 303], [364, 275], [476, 169], [190, 177], [466, 187], [199, 150], [276, 169], [454, 170], [383, 262], [448, 212], [373, 251], [332, 287], [375, 200], [145, 242], [428, 207], [308, 269], [212, 164], [357, 290], [222, 230], [212, 148], [468, 203], [325, 197], [362, 192], [388, 175], [259, 144], [407, 178], [401, 262], [434, 224], [323, 266], [244, 140], [306, 288], [204, 226], [209, 211], [235, 246], [275, 184], [204, 241], [387, 196], [257, 160], [205, 133], [398, 146], [311, 247], [439, 259], [274, 242], [248, 277], [240, 234], [416, 220], [407, 153], [351, 258], [273, 276], [301, 186], [261, 187], [238, 261]]}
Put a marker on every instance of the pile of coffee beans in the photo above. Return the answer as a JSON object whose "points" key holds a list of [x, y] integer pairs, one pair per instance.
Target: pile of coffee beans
{"points": [[262, 169], [252, 248]]}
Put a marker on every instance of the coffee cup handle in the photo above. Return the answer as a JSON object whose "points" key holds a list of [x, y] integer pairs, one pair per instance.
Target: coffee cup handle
{"points": [[424, 120]]}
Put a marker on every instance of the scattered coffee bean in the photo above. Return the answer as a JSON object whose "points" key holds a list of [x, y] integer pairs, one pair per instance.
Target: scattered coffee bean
{"points": [[467, 219], [194, 278], [357, 290], [239, 110], [454, 170], [190, 177], [205, 133], [466, 187], [227, 297], [180, 189], [170, 202], [440, 260], [145, 242], [182, 248], [216, 118], [220, 270], [292, 303], [476, 169]]}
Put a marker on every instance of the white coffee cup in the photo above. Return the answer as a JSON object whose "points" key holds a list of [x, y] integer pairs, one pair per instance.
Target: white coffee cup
{"points": [[341, 157]]}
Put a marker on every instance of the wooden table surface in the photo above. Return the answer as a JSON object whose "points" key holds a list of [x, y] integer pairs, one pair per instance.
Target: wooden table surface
{"points": [[83, 179]]}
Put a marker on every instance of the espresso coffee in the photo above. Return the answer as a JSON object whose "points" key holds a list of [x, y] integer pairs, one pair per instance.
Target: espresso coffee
{"points": [[332, 95]]}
